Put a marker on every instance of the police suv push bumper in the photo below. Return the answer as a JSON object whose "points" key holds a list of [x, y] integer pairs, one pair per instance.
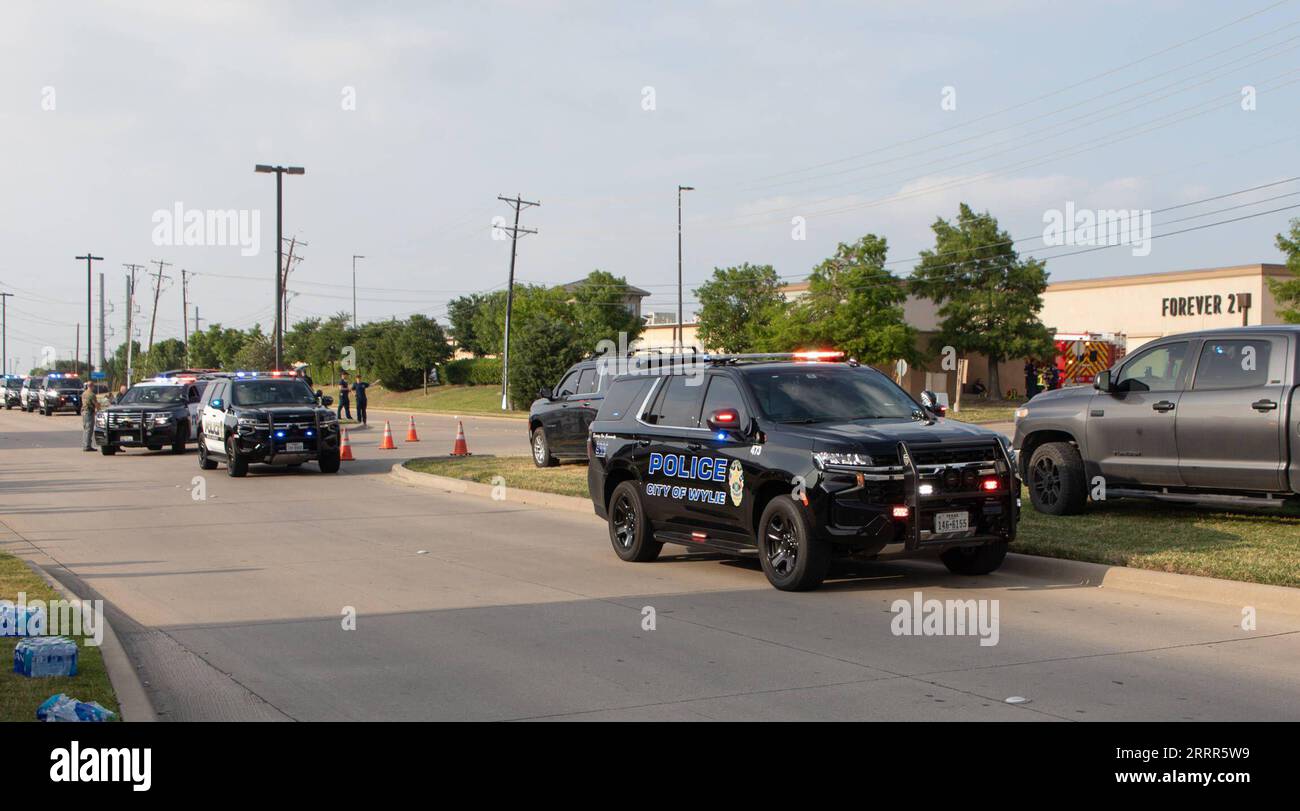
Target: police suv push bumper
{"points": [[136, 428], [908, 507], [293, 438]]}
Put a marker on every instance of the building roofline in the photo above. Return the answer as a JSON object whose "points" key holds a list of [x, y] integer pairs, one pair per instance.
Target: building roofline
{"points": [[1231, 271]]}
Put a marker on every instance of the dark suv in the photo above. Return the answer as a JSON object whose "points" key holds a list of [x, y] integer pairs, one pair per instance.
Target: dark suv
{"points": [[60, 392], [800, 460], [153, 414], [559, 419], [271, 418]]}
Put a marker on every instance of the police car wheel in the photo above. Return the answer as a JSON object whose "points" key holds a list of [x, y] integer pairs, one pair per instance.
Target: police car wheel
{"points": [[629, 532], [792, 557], [975, 560], [236, 465], [542, 450], [329, 462], [108, 450], [1056, 479], [205, 462]]}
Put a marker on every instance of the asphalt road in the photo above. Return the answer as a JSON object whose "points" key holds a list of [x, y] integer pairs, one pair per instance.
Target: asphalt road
{"points": [[466, 608]]}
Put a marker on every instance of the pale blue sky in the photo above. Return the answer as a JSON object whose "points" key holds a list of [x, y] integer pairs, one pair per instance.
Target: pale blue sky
{"points": [[831, 111]]}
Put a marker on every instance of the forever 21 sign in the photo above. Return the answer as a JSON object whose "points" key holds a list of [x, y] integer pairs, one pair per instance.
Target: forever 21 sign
{"points": [[1203, 305]]}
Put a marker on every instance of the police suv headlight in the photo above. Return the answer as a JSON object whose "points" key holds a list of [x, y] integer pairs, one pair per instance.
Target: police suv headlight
{"points": [[252, 423], [101, 418], [824, 458], [161, 418]]}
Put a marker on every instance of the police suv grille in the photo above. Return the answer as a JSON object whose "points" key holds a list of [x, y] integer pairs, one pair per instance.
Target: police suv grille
{"points": [[954, 455], [125, 419]]}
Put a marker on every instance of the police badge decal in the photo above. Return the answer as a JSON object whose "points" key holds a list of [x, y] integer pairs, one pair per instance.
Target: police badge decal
{"points": [[736, 482]]}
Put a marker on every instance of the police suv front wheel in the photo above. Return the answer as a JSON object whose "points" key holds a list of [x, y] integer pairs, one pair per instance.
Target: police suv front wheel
{"points": [[329, 462], [629, 532], [236, 465], [793, 558]]}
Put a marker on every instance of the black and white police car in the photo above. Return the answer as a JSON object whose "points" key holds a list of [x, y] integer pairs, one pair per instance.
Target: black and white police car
{"points": [[153, 414], [30, 393], [12, 391], [800, 459], [271, 418], [60, 392]]}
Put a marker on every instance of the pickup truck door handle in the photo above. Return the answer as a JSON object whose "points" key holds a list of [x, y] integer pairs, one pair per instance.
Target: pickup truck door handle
{"points": [[1263, 405], [1163, 405]]}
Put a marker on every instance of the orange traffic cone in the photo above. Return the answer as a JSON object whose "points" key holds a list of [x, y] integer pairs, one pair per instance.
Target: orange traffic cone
{"points": [[386, 444], [345, 450], [460, 448], [411, 436]]}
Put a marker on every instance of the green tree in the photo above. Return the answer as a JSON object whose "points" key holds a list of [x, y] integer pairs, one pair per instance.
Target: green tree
{"points": [[988, 298], [424, 345], [1287, 292], [257, 351], [602, 310], [462, 312], [216, 347], [740, 308], [542, 347], [168, 353], [852, 304]]}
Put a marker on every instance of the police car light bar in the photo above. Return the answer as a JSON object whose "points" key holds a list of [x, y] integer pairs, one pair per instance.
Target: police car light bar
{"points": [[62, 375]]}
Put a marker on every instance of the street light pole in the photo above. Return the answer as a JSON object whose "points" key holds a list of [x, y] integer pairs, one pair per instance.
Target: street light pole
{"points": [[4, 331], [280, 172], [90, 258], [680, 323], [355, 257]]}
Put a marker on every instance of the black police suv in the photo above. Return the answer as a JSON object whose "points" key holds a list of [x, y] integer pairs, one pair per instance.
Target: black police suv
{"points": [[11, 387], [799, 459], [559, 419], [152, 414], [30, 393], [271, 418], [59, 392]]}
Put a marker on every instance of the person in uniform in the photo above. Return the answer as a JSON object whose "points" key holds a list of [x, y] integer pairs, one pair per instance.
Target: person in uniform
{"points": [[359, 387], [344, 406], [89, 405]]}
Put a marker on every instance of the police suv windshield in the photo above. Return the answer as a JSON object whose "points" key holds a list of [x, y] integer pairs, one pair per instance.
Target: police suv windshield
{"points": [[65, 384], [154, 395], [806, 394], [272, 392]]}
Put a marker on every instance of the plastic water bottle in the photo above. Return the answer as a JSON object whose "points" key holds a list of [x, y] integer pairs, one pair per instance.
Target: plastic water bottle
{"points": [[44, 656]]}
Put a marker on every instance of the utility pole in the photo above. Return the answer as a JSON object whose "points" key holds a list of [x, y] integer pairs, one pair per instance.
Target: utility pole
{"points": [[185, 309], [197, 321], [130, 314], [681, 324], [90, 258], [76, 353], [518, 204], [4, 329], [103, 337], [284, 283], [153, 319], [280, 172], [355, 257]]}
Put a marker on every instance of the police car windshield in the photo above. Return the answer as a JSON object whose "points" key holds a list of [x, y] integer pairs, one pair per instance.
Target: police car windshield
{"points": [[272, 392], [154, 395], [808, 394]]}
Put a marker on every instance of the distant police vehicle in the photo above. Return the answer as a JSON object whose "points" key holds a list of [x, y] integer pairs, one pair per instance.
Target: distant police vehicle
{"points": [[799, 458], [558, 420], [271, 418], [30, 393], [12, 390], [59, 392], [153, 414]]}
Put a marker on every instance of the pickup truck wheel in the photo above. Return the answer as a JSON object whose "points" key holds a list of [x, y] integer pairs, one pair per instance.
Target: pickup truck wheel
{"points": [[1056, 480], [542, 450], [793, 558], [975, 559], [629, 532]]}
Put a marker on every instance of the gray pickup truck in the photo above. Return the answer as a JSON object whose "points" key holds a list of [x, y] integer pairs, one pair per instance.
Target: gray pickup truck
{"points": [[1198, 417]]}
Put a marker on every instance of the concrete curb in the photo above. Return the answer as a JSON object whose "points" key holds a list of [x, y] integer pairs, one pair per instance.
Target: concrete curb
{"points": [[1235, 593], [515, 495], [1157, 584], [132, 701], [452, 414]]}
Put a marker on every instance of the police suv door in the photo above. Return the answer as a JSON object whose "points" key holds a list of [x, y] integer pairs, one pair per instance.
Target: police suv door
{"points": [[212, 417], [195, 408]]}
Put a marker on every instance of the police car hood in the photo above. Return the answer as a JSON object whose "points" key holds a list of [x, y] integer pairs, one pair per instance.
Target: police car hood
{"points": [[277, 409], [874, 435]]}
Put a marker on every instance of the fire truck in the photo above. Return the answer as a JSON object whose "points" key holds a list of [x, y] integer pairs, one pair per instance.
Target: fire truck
{"points": [[1080, 356]]}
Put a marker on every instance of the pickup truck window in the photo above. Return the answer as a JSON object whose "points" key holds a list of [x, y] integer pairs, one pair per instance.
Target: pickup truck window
{"points": [[1234, 364], [1155, 369], [587, 380], [568, 386]]}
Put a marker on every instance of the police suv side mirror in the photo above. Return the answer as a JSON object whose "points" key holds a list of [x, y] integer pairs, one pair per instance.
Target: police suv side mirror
{"points": [[724, 419], [327, 401], [1102, 381], [544, 394], [216, 402], [931, 402]]}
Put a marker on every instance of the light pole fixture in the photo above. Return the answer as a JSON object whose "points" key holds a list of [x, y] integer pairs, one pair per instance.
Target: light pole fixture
{"points": [[280, 172], [355, 257], [680, 322], [90, 259]]}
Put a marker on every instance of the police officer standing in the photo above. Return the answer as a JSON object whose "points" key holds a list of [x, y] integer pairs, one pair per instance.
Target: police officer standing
{"points": [[89, 405], [359, 389], [344, 407]]}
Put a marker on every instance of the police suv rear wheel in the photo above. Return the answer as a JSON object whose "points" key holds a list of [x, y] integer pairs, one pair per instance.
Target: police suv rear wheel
{"points": [[542, 450], [629, 532], [793, 558], [975, 560], [205, 462]]}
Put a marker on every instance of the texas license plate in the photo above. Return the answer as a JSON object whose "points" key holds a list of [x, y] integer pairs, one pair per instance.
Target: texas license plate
{"points": [[951, 522], [293, 447]]}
